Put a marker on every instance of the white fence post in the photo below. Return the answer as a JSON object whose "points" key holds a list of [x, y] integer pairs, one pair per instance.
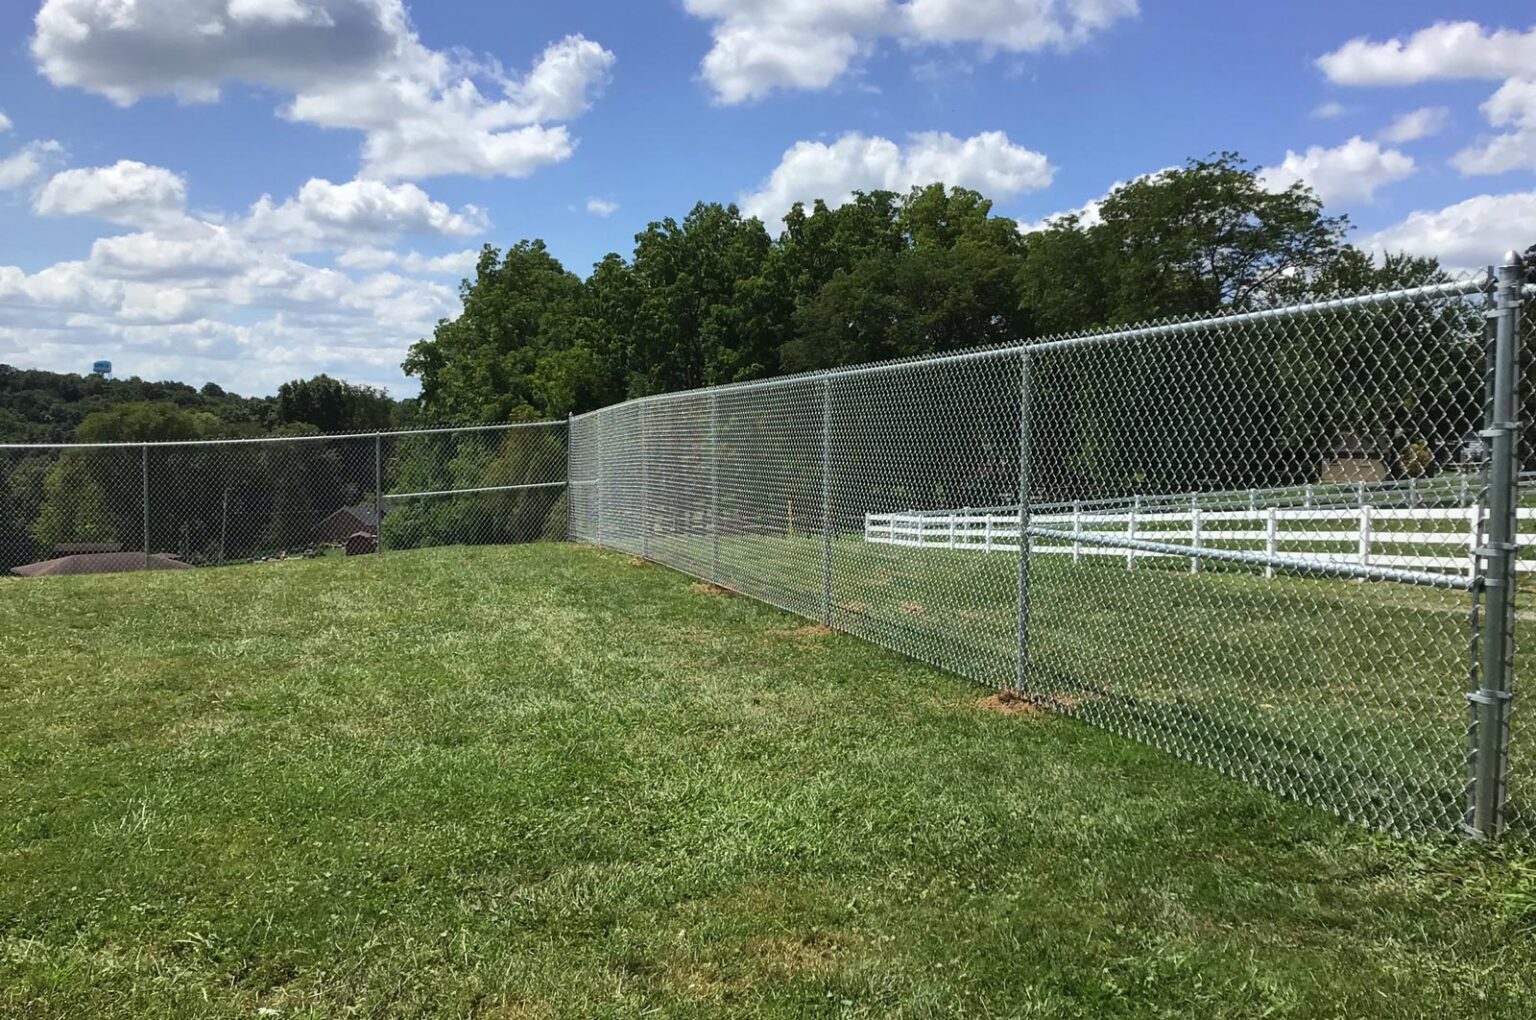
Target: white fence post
{"points": [[1271, 538], [1474, 537], [1194, 532], [1077, 532], [1365, 534], [1130, 532]]}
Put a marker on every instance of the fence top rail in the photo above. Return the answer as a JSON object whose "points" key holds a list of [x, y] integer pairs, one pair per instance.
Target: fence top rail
{"points": [[248, 440], [1477, 284]]}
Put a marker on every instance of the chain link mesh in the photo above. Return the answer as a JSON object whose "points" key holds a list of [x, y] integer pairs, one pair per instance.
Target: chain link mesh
{"points": [[165, 506], [1252, 540], [1256, 541]]}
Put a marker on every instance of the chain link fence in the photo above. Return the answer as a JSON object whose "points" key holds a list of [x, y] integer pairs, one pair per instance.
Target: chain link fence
{"points": [[93, 508], [1277, 543]]}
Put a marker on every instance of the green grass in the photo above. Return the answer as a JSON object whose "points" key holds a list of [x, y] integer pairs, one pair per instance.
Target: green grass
{"points": [[546, 781]]}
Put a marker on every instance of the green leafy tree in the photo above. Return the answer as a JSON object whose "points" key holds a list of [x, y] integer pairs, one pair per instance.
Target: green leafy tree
{"points": [[332, 405]]}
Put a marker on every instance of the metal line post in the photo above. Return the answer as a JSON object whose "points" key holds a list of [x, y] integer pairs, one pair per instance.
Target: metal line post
{"points": [[826, 502], [570, 490], [714, 491], [1022, 678], [645, 489], [1489, 703], [144, 497], [378, 492]]}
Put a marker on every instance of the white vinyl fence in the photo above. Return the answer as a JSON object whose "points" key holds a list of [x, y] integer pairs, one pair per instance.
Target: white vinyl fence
{"points": [[1410, 538]]}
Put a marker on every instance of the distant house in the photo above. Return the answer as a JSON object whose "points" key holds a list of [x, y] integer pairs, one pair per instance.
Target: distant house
{"points": [[100, 563], [348, 521], [1354, 459]]}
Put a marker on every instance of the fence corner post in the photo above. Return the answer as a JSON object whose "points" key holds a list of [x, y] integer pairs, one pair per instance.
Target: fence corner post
{"points": [[1489, 701]]}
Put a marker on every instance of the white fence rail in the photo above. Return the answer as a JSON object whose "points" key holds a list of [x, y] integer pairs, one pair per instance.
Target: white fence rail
{"points": [[1440, 539]]}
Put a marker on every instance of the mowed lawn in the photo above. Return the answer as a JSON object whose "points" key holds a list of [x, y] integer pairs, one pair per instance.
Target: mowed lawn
{"points": [[548, 781]]}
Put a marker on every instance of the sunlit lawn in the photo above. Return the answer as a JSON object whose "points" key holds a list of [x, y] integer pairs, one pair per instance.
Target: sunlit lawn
{"points": [[548, 781]]}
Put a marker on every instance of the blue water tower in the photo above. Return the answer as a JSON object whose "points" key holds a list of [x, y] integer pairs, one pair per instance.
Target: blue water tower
{"points": [[102, 368]]}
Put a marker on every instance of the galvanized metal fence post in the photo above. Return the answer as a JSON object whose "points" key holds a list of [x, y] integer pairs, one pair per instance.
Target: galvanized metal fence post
{"points": [[144, 497], [826, 501], [602, 475], [570, 490], [378, 490], [1022, 679], [714, 490], [1489, 701], [645, 489]]}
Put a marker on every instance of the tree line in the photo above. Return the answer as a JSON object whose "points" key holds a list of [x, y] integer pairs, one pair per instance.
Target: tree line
{"points": [[717, 298]]}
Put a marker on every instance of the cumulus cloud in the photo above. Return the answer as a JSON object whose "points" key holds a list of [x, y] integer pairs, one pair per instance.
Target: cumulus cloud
{"points": [[602, 207], [1513, 106], [5, 122], [127, 192], [459, 263], [325, 215], [352, 64], [1448, 49], [987, 162], [225, 296], [762, 45], [1458, 50], [1349, 172], [27, 163], [1473, 232], [1331, 110], [1416, 124]]}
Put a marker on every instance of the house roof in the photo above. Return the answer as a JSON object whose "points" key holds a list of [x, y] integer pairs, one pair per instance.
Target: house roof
{"points": [[100, 563], [363, 513]]}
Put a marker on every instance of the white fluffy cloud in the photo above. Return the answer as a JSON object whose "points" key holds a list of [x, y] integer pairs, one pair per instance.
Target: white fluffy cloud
{"points": [[1449, 49], [1474, 232], [5, 122], [324, 215], [353, 64], [1416, 124], [987, 162], [762, 45], [127, 192], [1513, 106], [602, 206], [197, 296], [27, 163], [1458, 50], [1349, 172], [459, 263]]}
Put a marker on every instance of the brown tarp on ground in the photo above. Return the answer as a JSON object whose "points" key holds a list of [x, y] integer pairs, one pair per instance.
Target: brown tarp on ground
{"points": [[100, 563]]}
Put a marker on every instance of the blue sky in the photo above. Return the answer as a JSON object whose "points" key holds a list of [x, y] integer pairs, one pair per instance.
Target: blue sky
{"points": [[251, 190]]}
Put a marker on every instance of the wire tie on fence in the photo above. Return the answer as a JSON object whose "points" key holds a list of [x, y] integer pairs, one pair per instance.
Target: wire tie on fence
{"points": [[1487, 696], [1487, 549]]}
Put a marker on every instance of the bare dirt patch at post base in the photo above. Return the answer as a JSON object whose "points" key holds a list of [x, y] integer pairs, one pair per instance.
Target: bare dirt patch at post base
{"points": [[1008, 703]]}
